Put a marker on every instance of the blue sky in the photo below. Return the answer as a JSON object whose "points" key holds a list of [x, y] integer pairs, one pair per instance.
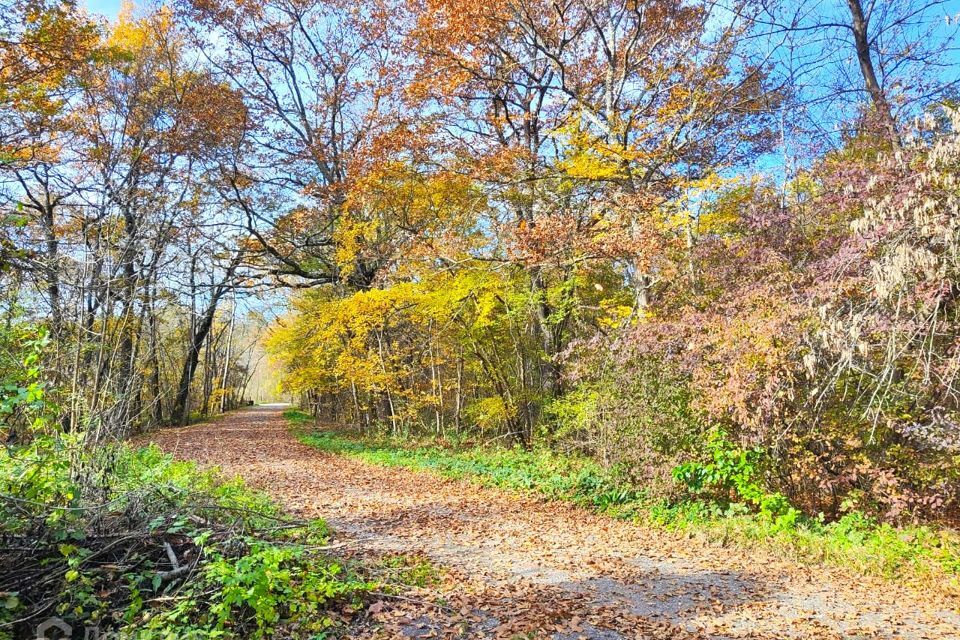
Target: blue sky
{"points": [[108, 8]]}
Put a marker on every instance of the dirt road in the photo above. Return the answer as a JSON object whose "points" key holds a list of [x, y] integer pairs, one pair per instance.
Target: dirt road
{"points": [[523, 567]]}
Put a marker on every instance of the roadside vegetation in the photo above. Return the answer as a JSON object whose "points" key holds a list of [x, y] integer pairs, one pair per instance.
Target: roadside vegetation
{"points": [[720, 501], [127, 540], [159, 549]]}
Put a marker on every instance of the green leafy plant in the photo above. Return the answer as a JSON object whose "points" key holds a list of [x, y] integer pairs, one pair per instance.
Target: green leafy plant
{"points": [[733, 473]]}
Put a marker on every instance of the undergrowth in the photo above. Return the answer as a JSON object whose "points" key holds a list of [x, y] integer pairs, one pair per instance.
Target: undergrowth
{"points": [[161, 550], [751, 517]]}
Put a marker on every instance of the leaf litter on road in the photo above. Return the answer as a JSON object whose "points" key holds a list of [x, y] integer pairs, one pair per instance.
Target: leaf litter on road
{"points": [[517, 566]]}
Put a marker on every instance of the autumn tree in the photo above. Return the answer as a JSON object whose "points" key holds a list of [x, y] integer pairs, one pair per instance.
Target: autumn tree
{"points": [[893, 58], [107, 184], [588, 120], [320, 80]]}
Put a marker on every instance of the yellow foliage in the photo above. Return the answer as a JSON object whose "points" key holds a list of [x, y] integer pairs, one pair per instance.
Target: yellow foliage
{"points": [[588, 157], [393, 208], [710, 205], [332, 343], [130, 34]]}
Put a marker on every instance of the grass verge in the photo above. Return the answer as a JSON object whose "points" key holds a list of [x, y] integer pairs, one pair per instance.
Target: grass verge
{"points": [[920, 554]]}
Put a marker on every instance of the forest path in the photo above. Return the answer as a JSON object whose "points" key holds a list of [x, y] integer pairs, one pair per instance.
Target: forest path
{"points": [[520, 565]]}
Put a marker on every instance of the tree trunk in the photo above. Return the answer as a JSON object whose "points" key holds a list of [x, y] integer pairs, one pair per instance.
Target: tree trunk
{"points": [[224, 405], [181, 409], [860, 27]]}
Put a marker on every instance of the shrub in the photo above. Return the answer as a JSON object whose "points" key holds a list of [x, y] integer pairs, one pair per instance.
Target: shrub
{"points": [[733, 473], [638, 419]]}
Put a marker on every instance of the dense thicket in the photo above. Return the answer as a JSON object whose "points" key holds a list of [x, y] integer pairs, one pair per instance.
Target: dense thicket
{"points": [[651, 231]]}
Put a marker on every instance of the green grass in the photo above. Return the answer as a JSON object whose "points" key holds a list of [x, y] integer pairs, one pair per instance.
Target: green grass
{"points": [[855, 542]]}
